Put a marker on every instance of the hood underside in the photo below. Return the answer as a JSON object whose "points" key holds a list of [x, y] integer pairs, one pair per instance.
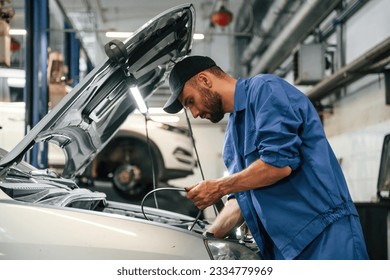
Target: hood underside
{"points": [[89, 116]]}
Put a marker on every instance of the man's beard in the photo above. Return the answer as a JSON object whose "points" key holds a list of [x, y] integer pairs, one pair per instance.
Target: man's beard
{"points": [[212, 101]]}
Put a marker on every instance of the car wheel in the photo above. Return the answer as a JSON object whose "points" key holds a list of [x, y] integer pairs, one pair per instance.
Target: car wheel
{"points": [[128, 163], [127, 179]]}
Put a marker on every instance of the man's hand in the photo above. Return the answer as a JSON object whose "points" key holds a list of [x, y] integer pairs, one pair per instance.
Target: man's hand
{"points": [[258, 174], [204, 193]]}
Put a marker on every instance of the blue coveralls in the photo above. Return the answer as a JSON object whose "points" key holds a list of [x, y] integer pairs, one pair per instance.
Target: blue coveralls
{"points": [[309, 214]]}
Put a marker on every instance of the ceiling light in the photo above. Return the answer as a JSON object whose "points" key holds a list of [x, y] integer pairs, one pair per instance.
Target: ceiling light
{"points": [[16, 82], [165, 119], [157, 110], [12, 73], [115, 34], [198, 36], [21, 32]]}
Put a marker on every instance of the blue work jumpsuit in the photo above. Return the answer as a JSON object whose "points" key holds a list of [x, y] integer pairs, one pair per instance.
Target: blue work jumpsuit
{"points": [[309, 214]]}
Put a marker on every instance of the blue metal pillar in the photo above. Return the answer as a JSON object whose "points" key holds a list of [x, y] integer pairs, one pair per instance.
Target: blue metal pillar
{"points": [[73, 56], [36, 91]]}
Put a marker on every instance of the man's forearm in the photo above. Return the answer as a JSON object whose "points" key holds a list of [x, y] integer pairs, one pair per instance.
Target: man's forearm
{"points": [[258, 174], [228, 219]]}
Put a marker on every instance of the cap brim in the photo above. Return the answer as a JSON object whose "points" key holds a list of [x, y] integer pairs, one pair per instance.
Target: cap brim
{"points": [[173, 105]]}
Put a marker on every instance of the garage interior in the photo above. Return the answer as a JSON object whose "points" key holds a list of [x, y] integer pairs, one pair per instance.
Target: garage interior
{"points": [[337, 52]]}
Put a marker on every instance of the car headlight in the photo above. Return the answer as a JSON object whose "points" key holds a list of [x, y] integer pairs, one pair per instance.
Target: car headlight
{"points": [[226, 250]]}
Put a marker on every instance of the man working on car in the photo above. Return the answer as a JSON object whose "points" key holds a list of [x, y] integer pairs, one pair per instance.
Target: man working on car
{"points": [[284, 180]]}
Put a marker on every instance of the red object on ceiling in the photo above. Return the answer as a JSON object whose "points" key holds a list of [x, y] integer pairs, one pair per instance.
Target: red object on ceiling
{"points": [[222, 17]]}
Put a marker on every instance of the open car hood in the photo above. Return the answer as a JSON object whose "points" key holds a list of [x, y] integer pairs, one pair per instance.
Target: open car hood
{"points": [[87, 118]]}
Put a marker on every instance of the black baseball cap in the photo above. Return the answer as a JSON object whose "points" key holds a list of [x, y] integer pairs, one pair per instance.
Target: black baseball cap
{"points": [[180, 74]]}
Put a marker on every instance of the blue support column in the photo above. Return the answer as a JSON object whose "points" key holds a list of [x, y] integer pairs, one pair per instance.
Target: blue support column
{"points": [[73, 53], [36, 93], [28, 89]]}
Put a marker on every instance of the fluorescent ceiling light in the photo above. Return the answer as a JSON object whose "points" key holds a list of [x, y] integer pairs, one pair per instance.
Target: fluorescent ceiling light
{"points": [[12, 73], [114, 34], [198, 36], [158, 111], [139, 100], [165, 119], [16, 82], [109, 34], [21, 32]]}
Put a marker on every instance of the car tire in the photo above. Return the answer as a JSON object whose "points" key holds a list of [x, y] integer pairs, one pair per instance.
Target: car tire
{"points": [[128, 163]]}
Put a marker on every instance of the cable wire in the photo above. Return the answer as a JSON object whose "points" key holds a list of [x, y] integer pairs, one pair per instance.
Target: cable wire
{"points": [[151, 158], [193, 144], [167, 189], [154, 192], [197, 155], [155, 189]]}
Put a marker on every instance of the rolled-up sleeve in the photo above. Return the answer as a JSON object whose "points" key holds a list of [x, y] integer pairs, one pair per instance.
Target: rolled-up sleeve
{"points": [[277, 127]]}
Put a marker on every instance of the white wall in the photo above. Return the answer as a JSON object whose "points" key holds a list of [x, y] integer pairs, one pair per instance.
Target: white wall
{"points": [[356, 131], [367, 28], [361, 118]]}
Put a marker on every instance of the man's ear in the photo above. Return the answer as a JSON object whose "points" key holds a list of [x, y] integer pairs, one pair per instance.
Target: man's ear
{"points": [[204, 79]]}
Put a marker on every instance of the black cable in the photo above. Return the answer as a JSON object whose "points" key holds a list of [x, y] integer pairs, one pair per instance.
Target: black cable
{"points": [[154, 191], [197, 158], [151, 158], [196, 220], [197, 155], [193, 143], [174, 189], [167, 189]]}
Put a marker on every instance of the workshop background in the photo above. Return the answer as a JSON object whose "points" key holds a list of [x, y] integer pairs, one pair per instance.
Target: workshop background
{"points": [[337, 52]]}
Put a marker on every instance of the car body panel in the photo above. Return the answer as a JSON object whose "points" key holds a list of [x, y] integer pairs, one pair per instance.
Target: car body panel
{"points": [[50, 233], [46, 217]]}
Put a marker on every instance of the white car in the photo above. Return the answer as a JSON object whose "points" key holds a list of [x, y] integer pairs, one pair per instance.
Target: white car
{"points": [[46, 216], [133, 160]]}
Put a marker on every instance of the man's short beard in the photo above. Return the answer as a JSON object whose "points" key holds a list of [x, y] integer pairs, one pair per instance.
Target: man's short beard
{"points": [[212, 101]]}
